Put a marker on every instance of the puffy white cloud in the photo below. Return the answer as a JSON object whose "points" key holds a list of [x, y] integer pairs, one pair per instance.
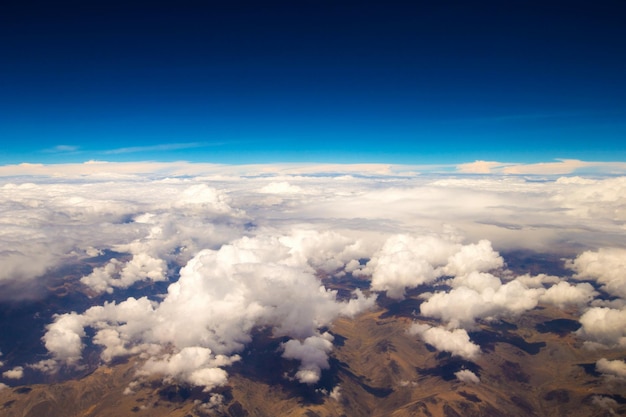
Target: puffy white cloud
{"points": [[607, 403], [603, 327], [116, 274], [474, 257], [477, 281], [537, 281], [564, 293], [335, 394], [15, 373], [210, 312], [613, 369], [607, 266], [327, 251], [462, 305], [63, 337], [195, 365], [467, 376], [407, 261], [47, 366], [312, 353], [456, 341]]}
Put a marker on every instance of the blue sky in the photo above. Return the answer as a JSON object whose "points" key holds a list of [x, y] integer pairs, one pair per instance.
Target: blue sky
{"points": [[313, 81]]}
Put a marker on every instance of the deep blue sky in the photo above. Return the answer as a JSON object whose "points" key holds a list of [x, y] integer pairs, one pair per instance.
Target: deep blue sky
{"points": [[406, 82]]}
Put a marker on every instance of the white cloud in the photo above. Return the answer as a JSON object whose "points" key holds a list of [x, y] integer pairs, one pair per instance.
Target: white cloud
{"points": [[15, 373], [282, 187], [564, 293], [478, 257], [312, 352], [63, 338], [477, 281], [467, 376], [478, 167], [116, 274], [195, 365], [462, 305], [209, 313], [80, 209], [607, 403], [456, 341], [408, 261], [607, 266], [614, 369], [603, 327], [537, 281], [335, 394], [561, 167], [47, 366]]}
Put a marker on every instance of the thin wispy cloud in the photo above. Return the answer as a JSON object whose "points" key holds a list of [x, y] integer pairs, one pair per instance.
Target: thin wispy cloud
{"points": [[164, 147], [62, 149]]}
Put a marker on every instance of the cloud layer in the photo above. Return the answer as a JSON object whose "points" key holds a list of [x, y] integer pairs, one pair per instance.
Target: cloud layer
{"points": [[250, 247]]}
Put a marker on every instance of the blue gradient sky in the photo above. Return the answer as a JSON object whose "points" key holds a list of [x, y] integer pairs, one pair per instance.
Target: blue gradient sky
{"points": [[314, 81]]}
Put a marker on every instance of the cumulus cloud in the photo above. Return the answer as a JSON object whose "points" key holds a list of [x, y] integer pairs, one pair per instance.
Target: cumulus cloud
{"points": [[456, 341], [606, 403], [603, 327], [475, 257], [209, 313], [313, 355], [194, 364], [15, 373], [461, 306], [564, 294], [335, 394], [606, 266], [537, 281], [613, 369], [63, 338], [408, 261], [467, 376], [117, 274], [326, 251]]}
